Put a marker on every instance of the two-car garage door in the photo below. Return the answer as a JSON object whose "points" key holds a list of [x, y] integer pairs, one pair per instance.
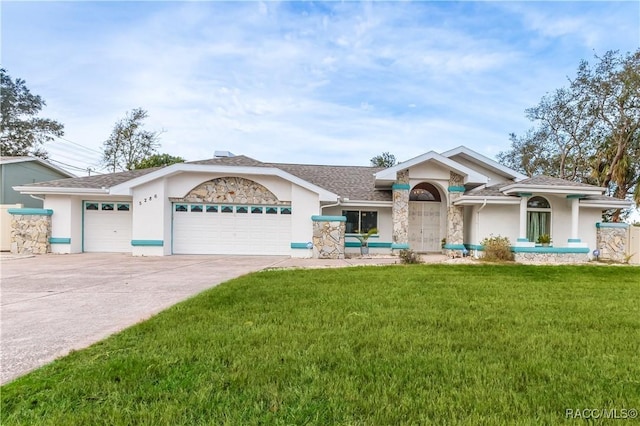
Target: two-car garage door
{"points": [[231, 229]]}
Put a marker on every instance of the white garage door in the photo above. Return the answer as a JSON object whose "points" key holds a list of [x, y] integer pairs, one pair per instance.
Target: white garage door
{"points": [[231, 229], [107, 226]]}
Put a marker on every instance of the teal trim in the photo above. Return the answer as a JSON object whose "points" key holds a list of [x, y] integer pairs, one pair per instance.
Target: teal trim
{"points": [[371, 244], [456, 189], [56, 240], [399, 246], [31, 212], [570, 196], [574, 240], [523, 240], [317, 218], [401, 186], [147, 243], [550, 249], [299, 245], [474, 247], [611, 225], [454, 246], [379, 244], [524, 194]]}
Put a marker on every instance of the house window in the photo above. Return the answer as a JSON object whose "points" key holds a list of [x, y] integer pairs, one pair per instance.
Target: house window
{"points": [[123, 207], [285, 210], [538, 218], [242, 209], [91, 206], [256, 210], [272, 210], [212, 209], [226, 209], [181, 208], [107, 206], [424, 192], [196, 208], [360, 221]]}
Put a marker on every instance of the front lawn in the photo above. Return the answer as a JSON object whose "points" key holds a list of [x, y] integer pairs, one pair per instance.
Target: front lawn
{"points": [[472, 344]]}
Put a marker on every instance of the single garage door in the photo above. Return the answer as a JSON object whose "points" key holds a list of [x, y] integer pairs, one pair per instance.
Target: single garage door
{"points": [[231, 229], [107, 226]]}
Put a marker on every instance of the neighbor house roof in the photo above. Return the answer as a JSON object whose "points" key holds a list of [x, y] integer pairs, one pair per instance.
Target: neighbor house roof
{"points": [[22, 159]]}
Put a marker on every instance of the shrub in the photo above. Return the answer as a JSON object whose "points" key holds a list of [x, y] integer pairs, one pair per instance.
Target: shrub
{"points": [[409, 257], [497, 249]]}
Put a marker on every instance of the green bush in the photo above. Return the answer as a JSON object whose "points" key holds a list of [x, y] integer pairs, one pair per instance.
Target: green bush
{"points": [[409, 257], [497, 249]]}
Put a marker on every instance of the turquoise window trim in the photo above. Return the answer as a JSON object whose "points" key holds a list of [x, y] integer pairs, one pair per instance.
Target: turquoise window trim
{"points": [[59, 240], [454, 246], [571, 196], [524, 194], [147, 243], [523, 240], [399, 246], [611, 225], [574, 240], [299, 246], [550, 249], [401, 186], [31, 212], [319, 218], [456, 189], [352, 244]]}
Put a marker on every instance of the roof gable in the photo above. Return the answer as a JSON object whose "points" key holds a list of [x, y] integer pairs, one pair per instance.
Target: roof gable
{"points": [[487, 163], [470, 175], [5, 160]]}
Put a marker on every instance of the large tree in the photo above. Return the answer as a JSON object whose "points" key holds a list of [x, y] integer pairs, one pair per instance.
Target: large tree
{"points": [[158, 160], [129, 143], [384, 160], [22, 132], [588, 131]]}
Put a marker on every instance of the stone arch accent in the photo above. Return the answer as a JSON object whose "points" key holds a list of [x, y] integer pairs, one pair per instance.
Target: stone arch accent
{"points": [[233, 190]]}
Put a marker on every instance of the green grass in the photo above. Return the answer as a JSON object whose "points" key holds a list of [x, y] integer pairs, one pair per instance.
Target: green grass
{"points": [[454, 344]]}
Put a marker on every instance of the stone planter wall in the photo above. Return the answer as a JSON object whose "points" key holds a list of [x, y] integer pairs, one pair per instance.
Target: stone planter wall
{"points": [[328, 237], [551, 258], [30, 231], [612, 240]]}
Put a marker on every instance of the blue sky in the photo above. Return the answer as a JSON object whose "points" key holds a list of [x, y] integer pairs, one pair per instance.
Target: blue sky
{"points": [[304, 82]]}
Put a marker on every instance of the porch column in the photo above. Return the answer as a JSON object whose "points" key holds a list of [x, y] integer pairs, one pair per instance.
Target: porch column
{"points": [[522, 233], [575, 218], [455, 216], [400, 211]]}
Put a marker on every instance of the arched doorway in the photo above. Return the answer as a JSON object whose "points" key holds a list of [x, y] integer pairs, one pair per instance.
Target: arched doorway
{"points": [[425, 218]]}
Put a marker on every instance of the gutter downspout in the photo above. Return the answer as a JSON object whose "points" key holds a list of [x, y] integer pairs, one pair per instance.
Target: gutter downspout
{"points": [[36, 197], [331, 205], [478, 225]]}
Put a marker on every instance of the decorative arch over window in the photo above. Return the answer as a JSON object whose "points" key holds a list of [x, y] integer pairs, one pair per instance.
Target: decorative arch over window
{"points": [[538, 218], [424, 192], [232, 190]]}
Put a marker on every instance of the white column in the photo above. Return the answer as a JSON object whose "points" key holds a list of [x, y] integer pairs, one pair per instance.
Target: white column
{"points": [[575, 218], [522, 235]]}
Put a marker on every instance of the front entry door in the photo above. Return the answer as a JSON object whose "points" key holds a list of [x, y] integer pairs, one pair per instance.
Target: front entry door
{"points": [[424, 226]]}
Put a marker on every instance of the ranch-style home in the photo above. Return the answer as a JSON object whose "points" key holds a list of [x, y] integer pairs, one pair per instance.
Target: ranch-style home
{"points": [[237, 205]]}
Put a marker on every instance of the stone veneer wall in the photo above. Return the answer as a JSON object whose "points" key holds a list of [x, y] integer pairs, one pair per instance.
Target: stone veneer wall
{"points": [[400, 209], [611, 239], [551, 258], [328, 237], [30, 233], [235, 190], [455, 214]]}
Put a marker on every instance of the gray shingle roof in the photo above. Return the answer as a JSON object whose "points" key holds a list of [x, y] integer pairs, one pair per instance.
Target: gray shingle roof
{"points": [[97, 181], [489, 191], [552, 181]]}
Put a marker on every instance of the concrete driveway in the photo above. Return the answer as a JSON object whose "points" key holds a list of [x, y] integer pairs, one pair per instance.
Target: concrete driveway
{"points": [[51, 304]]}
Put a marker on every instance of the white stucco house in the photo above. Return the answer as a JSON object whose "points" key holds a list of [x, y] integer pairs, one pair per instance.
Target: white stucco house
{"points": [[238, 205]]}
